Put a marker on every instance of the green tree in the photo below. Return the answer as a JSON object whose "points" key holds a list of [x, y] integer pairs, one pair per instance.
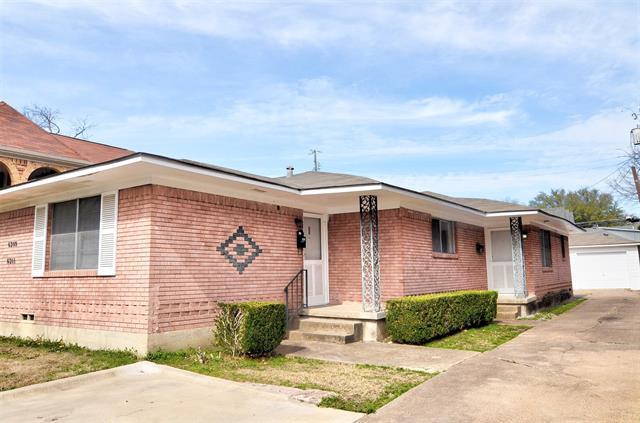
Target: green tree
{"points": [[587, 205]]}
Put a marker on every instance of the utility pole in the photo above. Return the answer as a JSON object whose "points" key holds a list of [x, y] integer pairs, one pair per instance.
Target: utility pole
{"points": [[636, 181], [316, 163]]}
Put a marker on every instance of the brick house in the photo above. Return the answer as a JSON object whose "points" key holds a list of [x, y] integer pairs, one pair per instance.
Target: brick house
{"points": [[136, 252]]}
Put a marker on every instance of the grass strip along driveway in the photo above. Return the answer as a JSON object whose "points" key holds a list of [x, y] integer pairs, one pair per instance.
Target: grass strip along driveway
{"points": [[360, 388], [551, 312], [480, 339], [26, 361]]}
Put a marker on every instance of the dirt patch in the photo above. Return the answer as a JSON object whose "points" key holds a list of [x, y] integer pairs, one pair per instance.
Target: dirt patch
{"points": [[27, 362]]}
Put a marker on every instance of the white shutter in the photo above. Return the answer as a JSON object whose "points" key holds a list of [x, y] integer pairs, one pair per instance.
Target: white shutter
{"points": [[108, 229], [39, 240]]}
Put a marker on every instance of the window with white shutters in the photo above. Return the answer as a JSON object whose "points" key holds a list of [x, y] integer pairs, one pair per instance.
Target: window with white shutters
{"points": [[74, 234], [108, 235], [39, 240], [83, 235]]}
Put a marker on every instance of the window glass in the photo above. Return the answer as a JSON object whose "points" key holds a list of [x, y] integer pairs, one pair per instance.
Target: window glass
{"points": [[313, 234], [75, 234], [88, 228], [546, 248], [443, 236], [63, 235]]}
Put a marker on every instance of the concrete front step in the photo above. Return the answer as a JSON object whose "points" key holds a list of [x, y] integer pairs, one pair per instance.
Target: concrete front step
{"points": [[336, 331], [331, 337], [506, 316], [311, 324]]}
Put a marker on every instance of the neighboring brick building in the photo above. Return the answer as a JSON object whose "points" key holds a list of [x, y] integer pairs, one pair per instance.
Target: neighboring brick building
{"points": [[28, 152], [137, 252]]}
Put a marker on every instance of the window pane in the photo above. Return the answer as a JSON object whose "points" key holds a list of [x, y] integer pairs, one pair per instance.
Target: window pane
{"points": [[451, 240], [89, 218], [313, 235], [435, 235], [88, 229], [87, 250], [63, 236], [64, 218], [63, 247]]}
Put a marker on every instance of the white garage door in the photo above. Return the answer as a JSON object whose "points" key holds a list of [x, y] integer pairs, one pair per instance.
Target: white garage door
{"points": [[605, 269]]}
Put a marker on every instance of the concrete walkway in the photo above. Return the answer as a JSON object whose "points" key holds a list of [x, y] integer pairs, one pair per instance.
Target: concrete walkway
{"points": [[380, 354], [581, 366], [146, 392]]}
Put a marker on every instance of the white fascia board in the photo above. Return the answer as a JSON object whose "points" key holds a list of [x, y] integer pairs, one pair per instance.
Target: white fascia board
{"points": [[341, 190], [575, 247], [512, 213], [218, 174], [70, 175]]}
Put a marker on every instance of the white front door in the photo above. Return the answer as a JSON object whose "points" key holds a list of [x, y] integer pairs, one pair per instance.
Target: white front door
{"points": [[314, 260], [501, 262]]}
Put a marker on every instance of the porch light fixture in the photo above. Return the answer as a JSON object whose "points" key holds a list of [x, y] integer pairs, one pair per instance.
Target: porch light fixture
{"points": [[479, 248], [525, 234]]}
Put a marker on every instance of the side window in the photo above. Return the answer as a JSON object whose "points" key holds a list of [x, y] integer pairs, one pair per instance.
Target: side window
{"points": [[563, 240], [545, 244], [75, 234], [443, 236]]}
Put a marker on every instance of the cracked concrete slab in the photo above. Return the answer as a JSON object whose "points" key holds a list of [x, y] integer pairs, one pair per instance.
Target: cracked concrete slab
{"points": [[147, 392], [581, 366]]}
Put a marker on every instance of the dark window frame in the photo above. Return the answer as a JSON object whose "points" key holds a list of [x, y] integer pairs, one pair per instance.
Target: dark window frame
{"points": [[440, 242], [83, 259], [563, 247], [545, 248]]}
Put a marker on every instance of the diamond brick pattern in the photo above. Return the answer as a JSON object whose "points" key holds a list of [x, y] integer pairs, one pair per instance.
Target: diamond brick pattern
{"points": [[239, 249]]}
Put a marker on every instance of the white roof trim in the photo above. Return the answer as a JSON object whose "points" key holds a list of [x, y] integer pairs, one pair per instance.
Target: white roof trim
{"points": [[604, 245]]}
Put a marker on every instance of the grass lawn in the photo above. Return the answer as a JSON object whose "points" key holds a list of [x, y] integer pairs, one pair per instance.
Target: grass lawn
{"points": [[480, 339], [551, 312], [26, 362], [360, 388]]}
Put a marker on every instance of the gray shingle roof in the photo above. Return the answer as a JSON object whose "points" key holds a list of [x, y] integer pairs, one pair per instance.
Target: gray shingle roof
{"points": [[598, 237], [310, 180]]}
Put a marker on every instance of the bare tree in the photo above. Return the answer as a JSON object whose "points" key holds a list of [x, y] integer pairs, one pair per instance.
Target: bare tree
{"points": [[625, 182], [81, 128], [48, 119], [43, 116]]}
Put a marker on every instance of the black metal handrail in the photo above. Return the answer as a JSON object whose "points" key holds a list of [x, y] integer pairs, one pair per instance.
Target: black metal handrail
{"points": [[296, 294]]}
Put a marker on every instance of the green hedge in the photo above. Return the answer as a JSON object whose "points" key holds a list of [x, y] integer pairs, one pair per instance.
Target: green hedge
{"points": [[254, 328], [417, 319]]}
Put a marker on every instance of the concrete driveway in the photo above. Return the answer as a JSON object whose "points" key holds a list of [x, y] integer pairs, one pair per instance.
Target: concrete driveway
{"points": [[583, 366], [146, 392]]}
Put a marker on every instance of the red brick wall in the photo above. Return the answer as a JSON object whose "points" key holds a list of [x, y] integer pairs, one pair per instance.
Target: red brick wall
{"points": [[345, 272], [427, 272], [189, 277], [80, 299], [408, 265], [541, 281]]}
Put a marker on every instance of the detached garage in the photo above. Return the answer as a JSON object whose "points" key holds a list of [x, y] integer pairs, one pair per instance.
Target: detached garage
{"points": [[605, 259]]}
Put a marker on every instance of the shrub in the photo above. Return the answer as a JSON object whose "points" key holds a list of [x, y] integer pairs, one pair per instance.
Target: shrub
{"points": [[250, 328], [417, 319]]}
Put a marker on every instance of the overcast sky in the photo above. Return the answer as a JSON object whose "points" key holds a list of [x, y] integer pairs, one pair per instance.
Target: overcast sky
{"points": [[490, 99]]}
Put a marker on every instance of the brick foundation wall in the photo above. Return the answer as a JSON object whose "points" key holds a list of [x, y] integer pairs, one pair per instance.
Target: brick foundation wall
{"points": [[80, 299], [408, 265], [189, 277], [541, 281]]}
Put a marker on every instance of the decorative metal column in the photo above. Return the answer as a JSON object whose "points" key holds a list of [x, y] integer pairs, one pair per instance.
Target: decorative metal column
{"points": [[517, 254], [370, 257]]}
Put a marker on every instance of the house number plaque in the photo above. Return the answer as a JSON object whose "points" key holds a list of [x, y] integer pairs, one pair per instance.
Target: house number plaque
{"points": [[11, 244]]}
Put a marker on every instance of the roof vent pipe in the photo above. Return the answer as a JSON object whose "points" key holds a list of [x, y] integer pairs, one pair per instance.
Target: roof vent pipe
{"points": [[289, 171]]}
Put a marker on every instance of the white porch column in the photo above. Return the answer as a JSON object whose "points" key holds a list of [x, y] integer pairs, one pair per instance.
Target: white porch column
{"points": [[369, 255], [517, 254]]}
